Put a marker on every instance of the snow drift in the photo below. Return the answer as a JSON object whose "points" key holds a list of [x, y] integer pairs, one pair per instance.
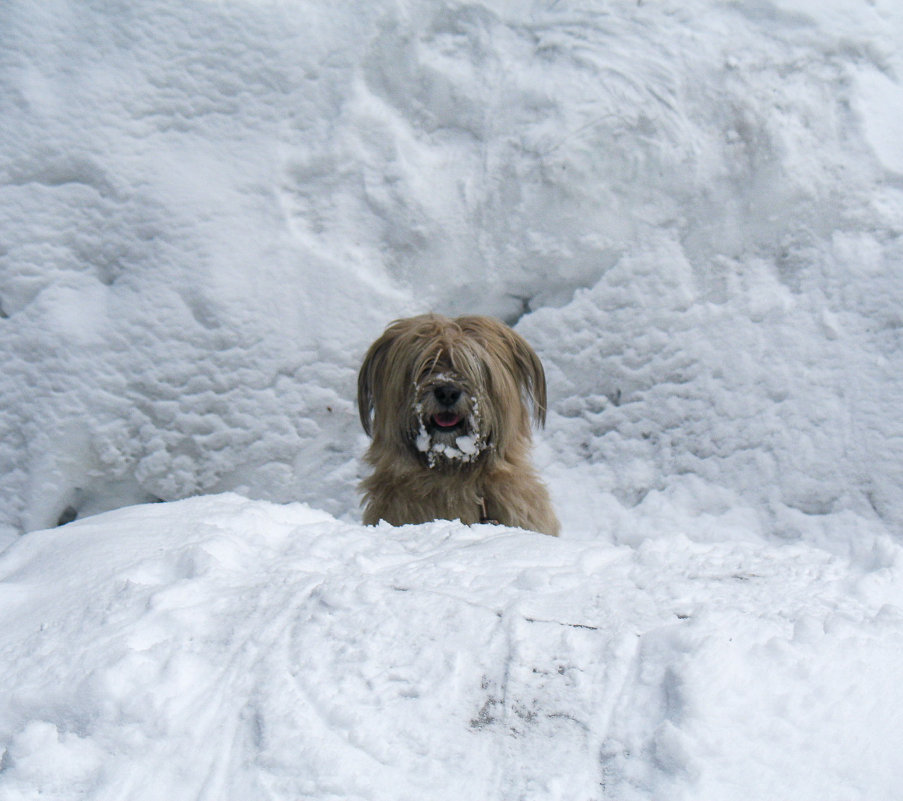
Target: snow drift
{"points": [[227, 649]]}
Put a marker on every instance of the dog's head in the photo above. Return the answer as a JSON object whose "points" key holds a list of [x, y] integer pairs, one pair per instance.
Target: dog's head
{"points": [[448, 391]]}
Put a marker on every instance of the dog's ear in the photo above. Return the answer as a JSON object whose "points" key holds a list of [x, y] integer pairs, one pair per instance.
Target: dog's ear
{"points": [[530, 375], [368, 378], [525, 364], [371, 378]]}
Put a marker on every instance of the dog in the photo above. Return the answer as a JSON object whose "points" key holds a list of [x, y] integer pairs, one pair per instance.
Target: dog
{"points": [[449, 405]]}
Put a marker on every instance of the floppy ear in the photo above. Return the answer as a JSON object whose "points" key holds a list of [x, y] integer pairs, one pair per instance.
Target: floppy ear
{"points": [[530, 375], [525, 364], [368, 378], [370, 384]]}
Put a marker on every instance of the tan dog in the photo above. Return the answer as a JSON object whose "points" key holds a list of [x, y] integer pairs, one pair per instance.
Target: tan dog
{"points": [[448, 404]]}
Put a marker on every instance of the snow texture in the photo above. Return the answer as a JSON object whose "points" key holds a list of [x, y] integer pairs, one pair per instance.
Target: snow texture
{"points": [[224, 648], [694, 212]]}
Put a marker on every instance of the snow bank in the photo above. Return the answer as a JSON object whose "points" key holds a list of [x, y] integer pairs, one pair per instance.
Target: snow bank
{"points": [[223, 648]]}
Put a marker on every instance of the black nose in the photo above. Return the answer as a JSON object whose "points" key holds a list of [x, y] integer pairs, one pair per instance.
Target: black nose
{"points": [[447, 394]]}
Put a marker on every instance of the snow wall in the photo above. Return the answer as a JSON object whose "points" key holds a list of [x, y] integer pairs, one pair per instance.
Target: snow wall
{"points": [[693, 210]]}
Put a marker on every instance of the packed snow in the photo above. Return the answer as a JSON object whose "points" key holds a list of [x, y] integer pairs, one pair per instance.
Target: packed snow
{"points": [[692, 210]]}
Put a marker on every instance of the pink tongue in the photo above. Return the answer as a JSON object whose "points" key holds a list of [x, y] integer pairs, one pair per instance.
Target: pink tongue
{"points": [[446, 419]]}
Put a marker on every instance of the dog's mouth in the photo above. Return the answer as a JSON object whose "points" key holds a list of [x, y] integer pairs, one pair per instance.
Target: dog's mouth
{"points": [[446, 421], [448, 437]]}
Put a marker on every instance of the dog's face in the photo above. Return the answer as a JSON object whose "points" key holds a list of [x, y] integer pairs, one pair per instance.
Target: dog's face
{"points": [[449, 391]]}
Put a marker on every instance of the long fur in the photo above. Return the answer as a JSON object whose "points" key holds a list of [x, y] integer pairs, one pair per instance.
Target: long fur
{"points": [[426, 470]]}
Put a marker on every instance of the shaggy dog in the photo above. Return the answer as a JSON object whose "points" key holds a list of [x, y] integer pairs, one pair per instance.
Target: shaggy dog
{"points": [[449, 404]]}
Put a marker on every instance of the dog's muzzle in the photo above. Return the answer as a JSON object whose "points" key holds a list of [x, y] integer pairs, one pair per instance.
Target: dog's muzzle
{"points": [[448, 423]]}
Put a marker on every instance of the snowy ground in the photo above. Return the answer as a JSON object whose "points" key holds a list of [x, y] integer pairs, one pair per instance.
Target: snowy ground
{"points": [[692, 210], [221, 648]]}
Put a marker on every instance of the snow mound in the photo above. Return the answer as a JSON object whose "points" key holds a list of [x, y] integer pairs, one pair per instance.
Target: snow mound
{"points": [[223, 648]]}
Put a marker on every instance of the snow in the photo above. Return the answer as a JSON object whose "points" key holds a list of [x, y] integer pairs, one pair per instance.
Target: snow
{"points": [[881, 107], [467, 445], [224, 648], [691, 210]]}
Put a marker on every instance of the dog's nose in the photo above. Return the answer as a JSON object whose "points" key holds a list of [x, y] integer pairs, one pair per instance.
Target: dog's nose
{"points": [[447, 394]]}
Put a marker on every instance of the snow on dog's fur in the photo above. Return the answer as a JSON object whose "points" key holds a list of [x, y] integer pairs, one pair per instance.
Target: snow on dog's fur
{"points": [[449, 404]]}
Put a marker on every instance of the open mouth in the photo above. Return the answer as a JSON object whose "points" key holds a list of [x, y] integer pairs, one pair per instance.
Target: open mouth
{"points": [[446, 420]]}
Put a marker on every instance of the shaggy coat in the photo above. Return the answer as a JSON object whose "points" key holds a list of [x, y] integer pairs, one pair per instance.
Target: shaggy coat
{"points": [[449, 404]]}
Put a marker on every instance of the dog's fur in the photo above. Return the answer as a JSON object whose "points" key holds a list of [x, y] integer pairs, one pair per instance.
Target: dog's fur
{"points": [[449, 406]]}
